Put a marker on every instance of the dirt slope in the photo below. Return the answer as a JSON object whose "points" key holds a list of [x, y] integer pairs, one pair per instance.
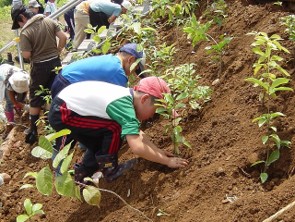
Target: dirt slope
{"points": [[218, 185]]}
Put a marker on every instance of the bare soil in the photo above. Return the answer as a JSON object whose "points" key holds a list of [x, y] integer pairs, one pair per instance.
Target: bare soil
{"points": [[219, 184]]}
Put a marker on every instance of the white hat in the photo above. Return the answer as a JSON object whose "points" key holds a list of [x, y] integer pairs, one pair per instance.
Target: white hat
{"points": [[19, 81], [33, 4], [126, 4]]}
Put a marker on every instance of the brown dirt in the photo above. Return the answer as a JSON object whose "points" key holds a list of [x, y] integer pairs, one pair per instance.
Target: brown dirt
{"points": [[225, 143]]}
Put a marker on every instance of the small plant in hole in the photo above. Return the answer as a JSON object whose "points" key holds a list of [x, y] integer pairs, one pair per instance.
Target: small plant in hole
{"points": [[30, 211]]}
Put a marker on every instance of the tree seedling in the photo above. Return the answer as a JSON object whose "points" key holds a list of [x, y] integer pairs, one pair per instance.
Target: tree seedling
{"points": [[267, 72], [30, 211]]}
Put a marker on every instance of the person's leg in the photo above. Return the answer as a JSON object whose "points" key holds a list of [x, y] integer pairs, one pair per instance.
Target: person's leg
{"points": [[9, 113], [81, 21], [37, 101], [101, 137]]}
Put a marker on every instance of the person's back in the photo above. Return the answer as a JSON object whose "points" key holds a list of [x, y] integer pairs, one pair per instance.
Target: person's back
{"points": [[39, 36], [96, 68], [106, 7]]}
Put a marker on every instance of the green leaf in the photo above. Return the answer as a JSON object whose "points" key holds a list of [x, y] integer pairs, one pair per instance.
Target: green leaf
{"points": [[61, 155], [44, 150], [22, 218], [263, 177], [106, 47], [92, 195], [42, 153], [276, 139], [264, 139], [258, 82], [28, 206], [279, 81], [44, 181], [37, 207], [65, 185], [182, 96], [39, 212], [58, 134], [66, 163], [31, 174], [26, 186], [257, 162], [274, 156]]}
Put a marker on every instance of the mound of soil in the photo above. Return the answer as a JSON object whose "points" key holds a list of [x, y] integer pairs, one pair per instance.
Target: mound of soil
{"points": [[219, 184]]}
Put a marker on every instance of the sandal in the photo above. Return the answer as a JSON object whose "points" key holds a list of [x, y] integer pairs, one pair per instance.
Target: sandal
{"points": [[110, 174]]}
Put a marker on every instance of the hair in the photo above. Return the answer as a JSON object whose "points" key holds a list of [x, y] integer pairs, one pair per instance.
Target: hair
{"points": [[27, 14]]}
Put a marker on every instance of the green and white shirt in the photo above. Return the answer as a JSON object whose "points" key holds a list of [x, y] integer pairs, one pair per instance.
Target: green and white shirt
{"points": [[103, 100]]}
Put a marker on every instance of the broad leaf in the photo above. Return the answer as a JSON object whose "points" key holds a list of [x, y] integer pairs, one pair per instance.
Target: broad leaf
{"points": [[92, 195], [28, 206], [66, 163], [26, 186], [263, 177], [37, 207], [44, 181], [61, 155], [65, 185], [60, 133], [22, 218], [274, 156]]}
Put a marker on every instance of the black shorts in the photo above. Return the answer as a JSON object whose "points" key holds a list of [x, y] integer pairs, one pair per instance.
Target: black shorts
{"points": [[98, 19], [42, 74]]}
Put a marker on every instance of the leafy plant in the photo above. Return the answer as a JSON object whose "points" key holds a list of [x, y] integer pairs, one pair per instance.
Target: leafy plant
{"points": [[289, 22], [267, 72], [167, 107], [197, 31], [218, 50], [105, 45], [45, 93], [183, 80], [30, 211], [216, 12], [63, 181], [161, 57]]}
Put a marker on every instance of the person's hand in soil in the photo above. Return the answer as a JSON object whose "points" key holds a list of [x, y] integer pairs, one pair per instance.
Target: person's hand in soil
{"points": [[142, 146], [176, 162]]}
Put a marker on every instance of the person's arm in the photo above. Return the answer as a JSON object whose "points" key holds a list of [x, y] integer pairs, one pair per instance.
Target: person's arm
{"points": [[16, 104], [143, 147], [112, 19], [62, 40]]}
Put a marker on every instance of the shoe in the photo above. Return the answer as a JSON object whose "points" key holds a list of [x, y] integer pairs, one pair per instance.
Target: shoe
{"points": [[31, 137], [81, 172], [111, 174], [16, 58]]}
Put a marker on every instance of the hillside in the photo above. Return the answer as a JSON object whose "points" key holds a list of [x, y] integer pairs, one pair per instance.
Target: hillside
{"points": [[219, 184]]}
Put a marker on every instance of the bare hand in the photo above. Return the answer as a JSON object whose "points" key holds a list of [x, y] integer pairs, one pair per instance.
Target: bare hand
{"points": [[175, 162], [168, 153]]}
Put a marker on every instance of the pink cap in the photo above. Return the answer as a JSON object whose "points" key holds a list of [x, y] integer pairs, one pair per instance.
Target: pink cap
{"points": [[153, 85]]}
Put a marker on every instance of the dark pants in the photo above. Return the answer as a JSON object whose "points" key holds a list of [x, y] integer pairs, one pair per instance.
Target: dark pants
{"points": [[69, 18], [42, 74], [58, 85], [98, 19], [100, 136]]}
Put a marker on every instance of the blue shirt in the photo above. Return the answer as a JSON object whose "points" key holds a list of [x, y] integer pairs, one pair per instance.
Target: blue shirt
{"points": [[106, 68], [107, 7]]}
